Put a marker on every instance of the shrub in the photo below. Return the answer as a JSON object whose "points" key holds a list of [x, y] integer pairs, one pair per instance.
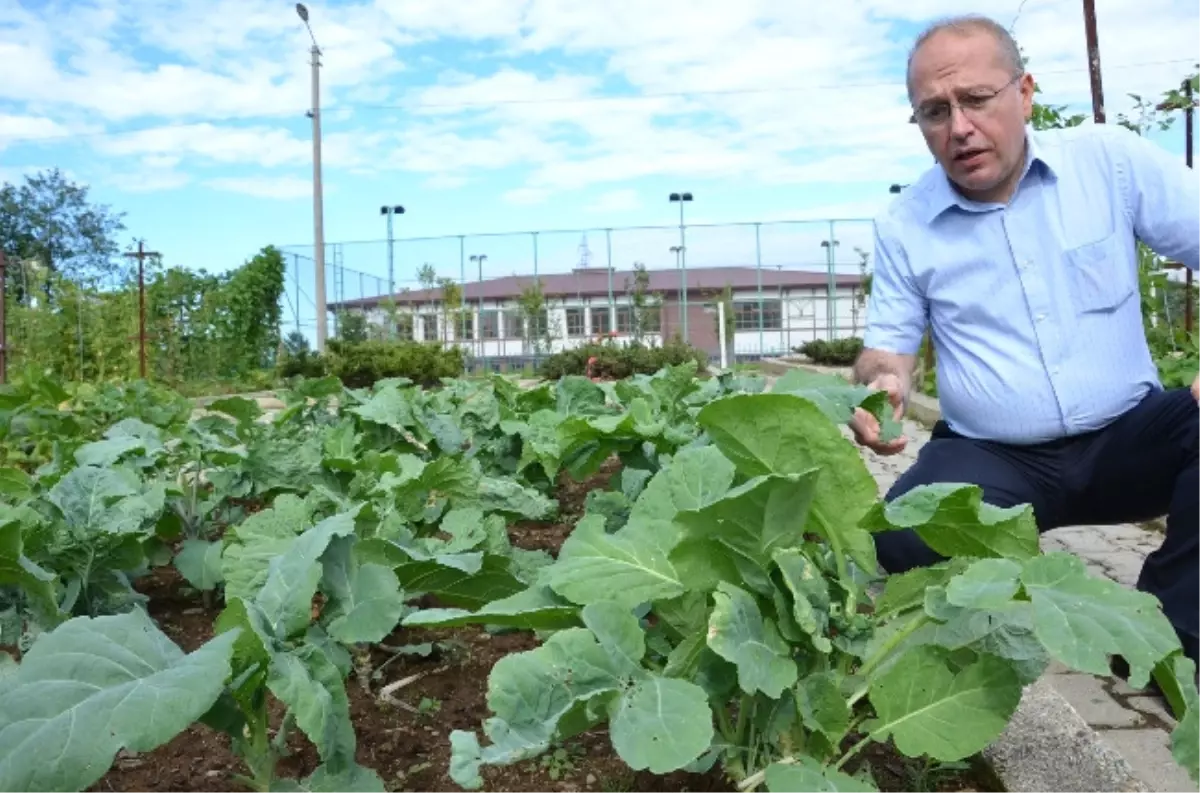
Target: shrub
{"points": [[614, 361], [360, 364], [839, 352]]}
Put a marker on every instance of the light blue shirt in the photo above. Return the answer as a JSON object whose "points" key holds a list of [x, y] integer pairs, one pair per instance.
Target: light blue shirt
{"points": [[1034, 306]]}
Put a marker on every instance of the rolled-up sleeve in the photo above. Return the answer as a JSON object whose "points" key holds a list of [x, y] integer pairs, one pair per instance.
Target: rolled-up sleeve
{"points": [[1162, 196], [897, 312]]}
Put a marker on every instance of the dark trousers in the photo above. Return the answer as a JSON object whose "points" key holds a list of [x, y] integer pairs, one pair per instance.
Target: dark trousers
{"points": [[1141, 466]]}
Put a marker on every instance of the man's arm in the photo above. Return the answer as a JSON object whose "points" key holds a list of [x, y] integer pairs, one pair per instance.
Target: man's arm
{"points": [[873, 364], [896, 315], [1161, 196]]}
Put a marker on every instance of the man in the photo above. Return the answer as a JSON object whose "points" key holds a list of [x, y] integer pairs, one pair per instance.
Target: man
{"points": [[1019, 251]]}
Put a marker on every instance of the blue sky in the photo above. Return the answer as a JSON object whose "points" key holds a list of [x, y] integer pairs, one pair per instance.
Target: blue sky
{"points": [[509, 115]]}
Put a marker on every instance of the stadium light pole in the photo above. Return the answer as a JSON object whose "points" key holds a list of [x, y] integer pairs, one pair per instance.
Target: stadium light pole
{"points": [[682, 198], [390, 212], [318, 201]]}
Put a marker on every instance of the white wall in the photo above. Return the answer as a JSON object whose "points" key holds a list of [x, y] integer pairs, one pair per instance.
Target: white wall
{"points": [[803, 318]]}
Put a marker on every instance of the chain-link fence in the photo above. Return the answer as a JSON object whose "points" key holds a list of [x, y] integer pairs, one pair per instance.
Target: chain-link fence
{"points": [[782, 284]]}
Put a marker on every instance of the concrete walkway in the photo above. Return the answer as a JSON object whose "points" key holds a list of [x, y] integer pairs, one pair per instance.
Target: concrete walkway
{"points": [[1135, 725]]}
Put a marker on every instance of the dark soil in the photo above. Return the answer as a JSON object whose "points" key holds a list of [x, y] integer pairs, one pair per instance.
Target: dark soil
{"points": [[406, 740], [549, 535]]}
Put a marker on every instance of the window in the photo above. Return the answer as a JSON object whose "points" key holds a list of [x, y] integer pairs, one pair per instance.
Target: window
{"points": [[651, 319], [462, 324], [404, 327], [489, 324], [539, 324], [575, 322], [429, 327], [624, 319], [600, 321], [745, 315], [514, 327]]}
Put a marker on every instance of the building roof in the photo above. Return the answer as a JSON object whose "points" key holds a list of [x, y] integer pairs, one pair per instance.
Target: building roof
{"points": [[593, 281]]}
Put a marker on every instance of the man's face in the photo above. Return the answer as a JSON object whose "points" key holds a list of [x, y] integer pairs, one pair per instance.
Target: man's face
{"points": [[972, 111]]}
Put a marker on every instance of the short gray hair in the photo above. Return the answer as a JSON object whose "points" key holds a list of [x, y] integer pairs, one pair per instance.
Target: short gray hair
{"points": [[965, 24]]}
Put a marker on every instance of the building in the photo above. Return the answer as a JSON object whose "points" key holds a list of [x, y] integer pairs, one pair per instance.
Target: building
{"points": [[585, 304]]}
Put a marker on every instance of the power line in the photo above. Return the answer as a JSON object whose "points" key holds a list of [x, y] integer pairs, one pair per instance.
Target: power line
{"points": [[584, 100]]}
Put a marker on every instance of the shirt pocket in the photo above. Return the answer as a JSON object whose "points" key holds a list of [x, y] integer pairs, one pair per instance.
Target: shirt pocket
{"points": [[1100, 274]]}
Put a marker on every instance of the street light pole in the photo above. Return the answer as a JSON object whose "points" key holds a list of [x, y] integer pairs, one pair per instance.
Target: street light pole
{"points": [[390, 212], [318, 193], [682, 198]]}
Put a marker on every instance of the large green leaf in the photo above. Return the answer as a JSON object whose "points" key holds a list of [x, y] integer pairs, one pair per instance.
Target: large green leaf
{"points": [[94, 686], [953, 520], [739, 633], [308, 683], [292, 578], [365, 600], [838, 398], [806, 775], [1185, 738], [656, 723], [694, 479], [755, 518], [18, 570], [929, 709], [1083, 619], [535, 609], [628, 567], [199, 561], [785, 434]]}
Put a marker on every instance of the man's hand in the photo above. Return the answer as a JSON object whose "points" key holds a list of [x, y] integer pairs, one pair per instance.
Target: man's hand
{"points": [[866, 427]]}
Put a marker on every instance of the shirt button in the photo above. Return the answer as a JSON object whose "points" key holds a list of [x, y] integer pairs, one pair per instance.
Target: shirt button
{"points": [[1041, 317], [1054, 370]]}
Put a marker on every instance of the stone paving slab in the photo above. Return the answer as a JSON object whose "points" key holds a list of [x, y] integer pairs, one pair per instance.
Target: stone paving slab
{"points": [[1073, 731]]}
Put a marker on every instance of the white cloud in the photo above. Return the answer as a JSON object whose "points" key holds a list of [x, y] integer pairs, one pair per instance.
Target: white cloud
{"points": [[559, 95], [27, 128], [282, 187]]}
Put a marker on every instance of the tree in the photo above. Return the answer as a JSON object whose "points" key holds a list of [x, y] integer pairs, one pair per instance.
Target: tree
{"points": [[51, 220]]}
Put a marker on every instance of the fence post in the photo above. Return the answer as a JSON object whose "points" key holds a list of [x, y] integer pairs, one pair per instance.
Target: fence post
{"points": [[1188, 114]]}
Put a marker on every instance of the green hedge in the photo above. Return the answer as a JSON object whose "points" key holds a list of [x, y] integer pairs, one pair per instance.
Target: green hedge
{"points": [[839, 352], [614, 361], [360, 364]]}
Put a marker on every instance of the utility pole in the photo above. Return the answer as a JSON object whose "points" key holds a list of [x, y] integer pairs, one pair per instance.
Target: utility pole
{"points": [[1093, 55], [318, 200], [141, 255]]}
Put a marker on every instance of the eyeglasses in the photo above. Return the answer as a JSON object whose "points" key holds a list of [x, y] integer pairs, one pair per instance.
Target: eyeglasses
{"points": [[975, 104]]}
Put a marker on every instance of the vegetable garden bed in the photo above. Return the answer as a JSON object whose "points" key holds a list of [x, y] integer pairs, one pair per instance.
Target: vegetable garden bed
{"points": [[656, 584]]}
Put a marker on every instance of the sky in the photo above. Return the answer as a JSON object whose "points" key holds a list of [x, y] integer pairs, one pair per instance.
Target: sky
{"points": [[496, 116]]}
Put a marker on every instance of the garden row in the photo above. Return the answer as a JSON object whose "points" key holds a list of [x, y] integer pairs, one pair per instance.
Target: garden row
{"points": [[666, 580]]}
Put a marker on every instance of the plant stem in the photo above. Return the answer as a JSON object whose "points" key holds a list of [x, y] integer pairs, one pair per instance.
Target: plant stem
{"points": [[891, 643], [853, 750], [756, 779]]}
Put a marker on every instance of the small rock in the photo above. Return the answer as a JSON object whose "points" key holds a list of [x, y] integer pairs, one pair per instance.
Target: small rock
{"points": [[591, 779], [192, 611], [212, 774]]}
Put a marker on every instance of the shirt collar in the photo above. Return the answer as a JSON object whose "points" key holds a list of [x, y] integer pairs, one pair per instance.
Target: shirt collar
{"points": [[942, 195]]}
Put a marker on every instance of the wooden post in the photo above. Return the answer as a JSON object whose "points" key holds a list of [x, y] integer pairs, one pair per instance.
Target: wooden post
{"points": [[1093, 56], [141, 255]]}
